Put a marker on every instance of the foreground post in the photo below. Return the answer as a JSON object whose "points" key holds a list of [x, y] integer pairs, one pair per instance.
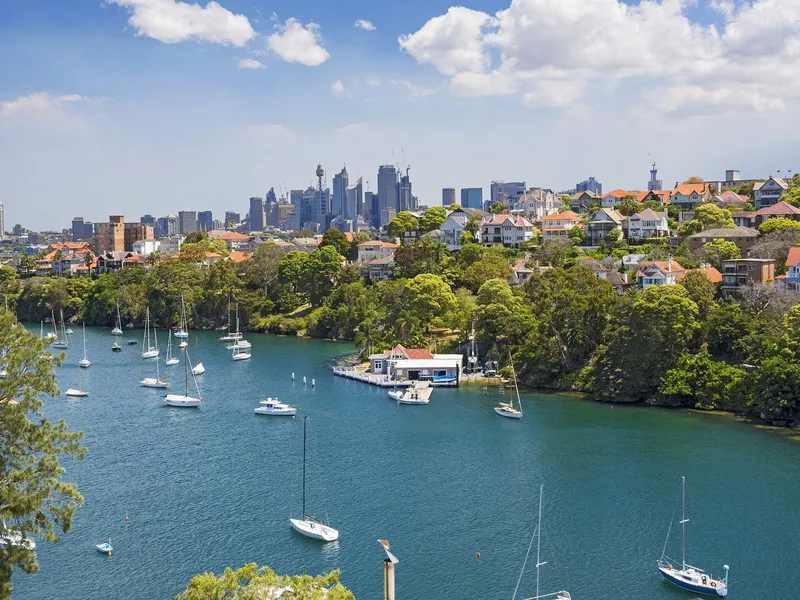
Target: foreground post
{"points": [[388, 571]]}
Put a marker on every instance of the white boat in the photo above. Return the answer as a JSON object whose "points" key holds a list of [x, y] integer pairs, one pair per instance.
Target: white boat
{"points": [[182, 331], [15, 539], [72, 392], [308, 525], [237, 352], [684, 575], [3, 374], [417, 394], [271, 406], [149, 350], [507, 409], [198, 369], [61, 341], [155, 382], [185, 400], [84, 362], [240, 345], [69, 331], [105, 547], [118, 325], [230, 336], [396, 394], [171, 360]]}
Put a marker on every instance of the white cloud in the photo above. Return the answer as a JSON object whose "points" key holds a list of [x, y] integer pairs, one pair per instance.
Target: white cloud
{"points": [[352, 128], [295, 42], [171, 21], [45, 109], [267, 132], [691, 100], [364, 24], [250, 63], [338, 89], [542, 47], [414, 90]]}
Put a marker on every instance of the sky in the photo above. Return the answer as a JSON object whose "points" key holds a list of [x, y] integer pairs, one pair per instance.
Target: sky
{"points": [[153, 106]]}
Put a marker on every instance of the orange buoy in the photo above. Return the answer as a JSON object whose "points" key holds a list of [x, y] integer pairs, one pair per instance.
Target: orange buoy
{"points": [[478, 554]]}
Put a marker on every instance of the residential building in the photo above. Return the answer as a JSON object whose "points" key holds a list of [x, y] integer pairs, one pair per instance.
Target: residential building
{"points": [[732, 180], [739, 273], [505, 230], [599, 226], [187, 221], [205, 220], [744, 218], [647, 224], [538, 202], [791, 281], [170, 245], [652, 272], [472, 197], [767, 193], [256, 214], [581, 202], [133, 232], [448, 196], [688, 196], [388, 193], [353, 200], [454, 226], [81, 230], [743, 237], [590, 185], [611, 199], [655, 183], [146, 247], [507, 193], [728, 197], [232, 219], [619, 281], [110, 237], [631, 262], [779, 210], [711, 273], [341, 181], [661, 197], [283, 215], [557, 226], [233, 239], [378, 269]]}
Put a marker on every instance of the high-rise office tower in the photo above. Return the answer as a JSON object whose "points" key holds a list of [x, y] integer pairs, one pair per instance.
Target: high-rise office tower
{"points": [[448, 196], [341, 181], [270, 199], [590, 185], [205, 220], [2, 221], [507, 193], [472, 197], [388, 192], [406, 200], [232, 218], [353, 199], [166, 226], [256, 213], [148, 220], [81, 230], [187, 221]]}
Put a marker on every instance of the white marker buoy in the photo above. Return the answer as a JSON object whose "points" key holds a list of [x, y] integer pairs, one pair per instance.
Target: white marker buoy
{"points": [[313, 383], [304, 379], [292, 376]]}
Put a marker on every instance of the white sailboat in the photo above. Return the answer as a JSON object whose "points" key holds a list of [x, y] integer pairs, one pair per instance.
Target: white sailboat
{"points": [[684, 575], [198, 369], [61, 341], [171, 360], [182, 333], [507, 409], [239, 345], [271, 406], [78, 392], [156, 382], [84, 362], [118, 325], [238, 354], [230, 337], [308, 525], [148, 350], [185, 400], [52, 335]]}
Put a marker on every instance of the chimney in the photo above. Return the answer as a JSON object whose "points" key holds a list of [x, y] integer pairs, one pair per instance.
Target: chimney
{"points": [[669, 265], [625, 277]]}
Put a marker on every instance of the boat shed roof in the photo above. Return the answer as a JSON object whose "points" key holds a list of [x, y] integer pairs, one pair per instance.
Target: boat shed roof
{"points": [[456, 357], [427, 364]]}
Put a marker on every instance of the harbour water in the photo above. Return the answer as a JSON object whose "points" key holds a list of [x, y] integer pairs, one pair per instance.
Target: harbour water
{"points": [[214, 487]]}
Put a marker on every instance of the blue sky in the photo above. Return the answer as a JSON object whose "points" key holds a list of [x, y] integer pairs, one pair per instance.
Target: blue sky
{"points": [[153, 106]]}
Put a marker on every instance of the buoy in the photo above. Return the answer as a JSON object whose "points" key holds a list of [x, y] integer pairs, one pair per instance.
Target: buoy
{"points": [[313, 383], [126, 516], [292, 376], [304, 379], [478, 554], [612, 407]]}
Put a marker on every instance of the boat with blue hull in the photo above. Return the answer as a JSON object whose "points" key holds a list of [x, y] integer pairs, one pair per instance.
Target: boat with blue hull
{"points": [[684, 575]]}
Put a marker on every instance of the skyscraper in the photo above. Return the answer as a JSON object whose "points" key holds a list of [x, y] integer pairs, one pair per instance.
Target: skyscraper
{"points": [[321, 209], [472, 197], [387, 191], [205, 220], [353, 199], [507, 193], [448, 196], [256, 213], [187, 221], [341, 182], [166, 226], [81, 230], [270, 199], [231, 217], [148, 220], [406, 200], [590, 185]]}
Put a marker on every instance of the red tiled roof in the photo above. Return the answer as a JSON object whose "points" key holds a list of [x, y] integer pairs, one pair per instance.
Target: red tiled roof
{"points": [[232, 236], [377, 243], [780, 208], [794, 256], [712, 274], [618, 193], [561, 216], [411, 353], [239, 257], [687, 189], [661, 265]]}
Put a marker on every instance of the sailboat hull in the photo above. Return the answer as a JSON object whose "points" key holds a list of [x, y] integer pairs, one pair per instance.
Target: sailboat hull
{"points": [[152, 382], [692, 581], [199, 369], [508, 413], [314, 530], [182, 401], [172, 362], [150, 354], [116, 331], [73, 393]]}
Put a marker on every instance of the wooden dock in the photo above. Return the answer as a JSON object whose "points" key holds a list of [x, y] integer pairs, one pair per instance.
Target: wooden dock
{"points": [[379, 380]]}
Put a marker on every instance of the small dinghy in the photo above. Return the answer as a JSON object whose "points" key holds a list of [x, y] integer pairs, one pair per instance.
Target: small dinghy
{"points": [[105, 547]]}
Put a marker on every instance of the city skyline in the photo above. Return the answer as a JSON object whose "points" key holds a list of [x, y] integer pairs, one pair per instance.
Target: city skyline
{"points": [[169, 103]]}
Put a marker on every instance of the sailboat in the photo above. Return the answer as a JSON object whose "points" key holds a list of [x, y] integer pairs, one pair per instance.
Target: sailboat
{"points": [[78, 392], [61, 338], [148, 350], [238, 353], [537, 534], [182, 332], [198, 369], [308, 525], [156, 382], [84, 362], [683, 574], [118, 325], [51, 335], [506, 409], [170, 359], [230, 337], [185, 400]]}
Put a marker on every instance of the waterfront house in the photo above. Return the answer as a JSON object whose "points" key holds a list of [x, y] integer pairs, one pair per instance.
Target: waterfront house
{"points": [[505, 230], [415, 364], [375, 249], [603, 221], [688, 196], [582, 201], [381, 364], [653, 272], [740, 273], [743, 237], [781, 209], [557, 226], [791, 281], [769, 192], [647, 224]]}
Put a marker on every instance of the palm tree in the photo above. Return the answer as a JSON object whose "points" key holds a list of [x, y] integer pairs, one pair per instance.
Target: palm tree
{"points": [[153, 258], [88, 258]]}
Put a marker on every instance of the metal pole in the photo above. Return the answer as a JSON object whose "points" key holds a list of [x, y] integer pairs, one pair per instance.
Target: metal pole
{"points": [[388, 580]]}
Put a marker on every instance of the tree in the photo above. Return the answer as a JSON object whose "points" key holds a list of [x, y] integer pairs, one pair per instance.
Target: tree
{"points": [[628, 206], [404, 222], [614, 235], [498, 208], [433, 218], [746, 189], [577, 235], [473, 225], [252, 582], [690, 228], [778, 224], [88, 259], [153, 258], [194, 237], [694, 179], [493, 264], [262, 268], [305, 233], [701, 291], [34, 500], [776, 246], [792, 196], [319, 274], [697, 381], [715, 251], [712, 216], [430, 300], [336, 238], [553, 252]]}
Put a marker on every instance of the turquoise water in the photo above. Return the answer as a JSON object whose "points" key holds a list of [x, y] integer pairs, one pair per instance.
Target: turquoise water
{"points": [[214, 487]]}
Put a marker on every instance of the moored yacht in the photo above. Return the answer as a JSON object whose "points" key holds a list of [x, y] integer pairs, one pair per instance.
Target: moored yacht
{"points": [[271, 406]]}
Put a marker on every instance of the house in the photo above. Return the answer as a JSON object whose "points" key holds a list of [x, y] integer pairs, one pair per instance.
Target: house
{"points": [[791, 281], [237, 256], [539, 202], [108, 262], [688, 196], [612, 198], [558, 225], [454, 226], [603, 221], [744, 218], [778, 210], [506, 230], [619, 281], [308, 244], [743, 237], [711, 273], [739, 273], [662, 197], [631, 261], [233, 240], [378, 268], [652, 272], [647, 224], [767, 193], [415, 364], [729, 197], [375, 249], [581, 202]]}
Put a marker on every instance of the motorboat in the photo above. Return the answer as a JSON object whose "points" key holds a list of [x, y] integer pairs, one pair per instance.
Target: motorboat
{"points": [[396, 394], [132, 342], [73, 393], [413, 396], [271, 406], [105, 548], [69, 331]]}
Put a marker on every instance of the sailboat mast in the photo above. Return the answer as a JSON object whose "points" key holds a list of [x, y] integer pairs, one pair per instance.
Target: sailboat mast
{"points": [[683, 521], [84, 341], [539, 540], [305, 424], [516, 387], [186, 373]]}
